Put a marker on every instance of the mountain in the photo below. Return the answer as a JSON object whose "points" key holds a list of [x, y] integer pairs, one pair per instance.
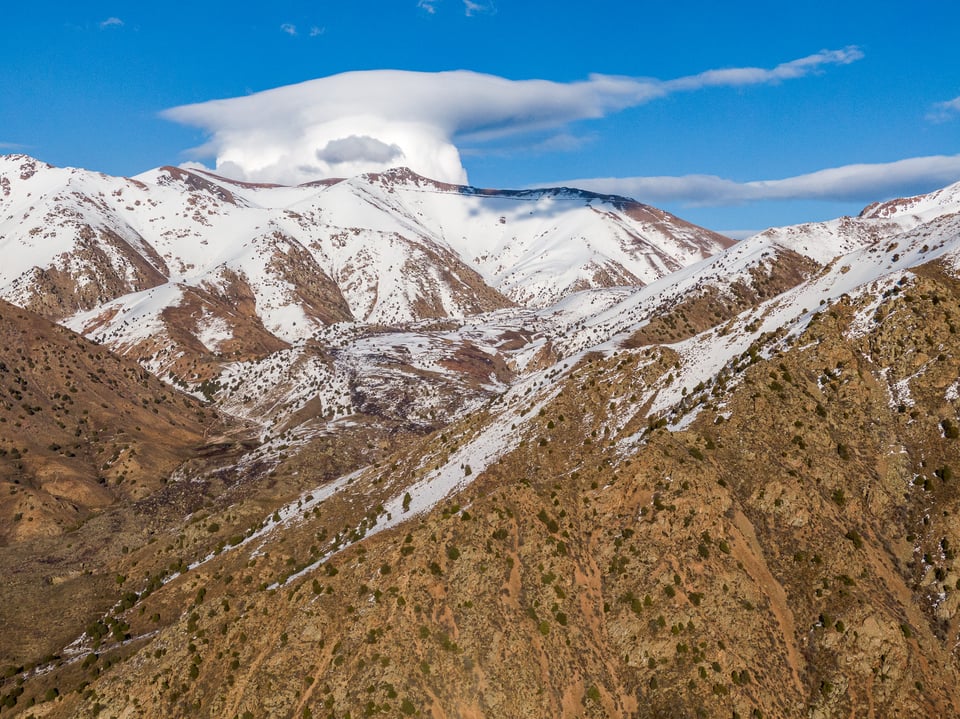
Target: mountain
{"points": [[201, 278], [378, 248], [727, 489]]}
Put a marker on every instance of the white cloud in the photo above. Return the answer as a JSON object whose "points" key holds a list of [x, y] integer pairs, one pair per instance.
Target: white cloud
{"points": [[943, 111], [472, 8], [317, 31], [429, 5], [111, 22], [266, 136], [739, 76], [739, 234], [289, 28], [359, 148], [860, 183], [12, 146]]}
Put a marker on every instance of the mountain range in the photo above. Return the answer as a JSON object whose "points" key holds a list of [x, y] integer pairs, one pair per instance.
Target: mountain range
{"points": [[384, 445]]}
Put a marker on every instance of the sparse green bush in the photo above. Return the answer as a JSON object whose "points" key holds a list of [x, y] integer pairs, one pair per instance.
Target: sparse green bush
{"points": [[950, 429], [854, 536]]}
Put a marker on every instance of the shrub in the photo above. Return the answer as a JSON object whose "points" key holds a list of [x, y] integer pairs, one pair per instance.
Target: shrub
{"points": [[950, 429], [550, 523], [854, 536]]}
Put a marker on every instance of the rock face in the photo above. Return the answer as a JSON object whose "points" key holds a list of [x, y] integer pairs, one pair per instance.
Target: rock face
{"points": [[729, 492]]}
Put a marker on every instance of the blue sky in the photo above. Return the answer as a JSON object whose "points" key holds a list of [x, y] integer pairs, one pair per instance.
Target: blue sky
{"points": [[93, 85]]}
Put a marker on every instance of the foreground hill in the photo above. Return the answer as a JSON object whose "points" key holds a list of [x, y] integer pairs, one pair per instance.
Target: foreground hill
{"points": [[88, 441]]}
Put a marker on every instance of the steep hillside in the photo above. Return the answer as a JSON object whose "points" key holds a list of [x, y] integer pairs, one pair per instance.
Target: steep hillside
{"points": [[81, 428], [87, 441], [101, 462]]}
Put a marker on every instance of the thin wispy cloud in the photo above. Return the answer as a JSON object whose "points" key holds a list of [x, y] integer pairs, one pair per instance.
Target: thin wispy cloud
{"points": [[858, 183], [739, 76], [317, 31], [12, 146], [111, 22], [944, 111], [289, 28], [562, 141], [275, 135], [472, 8]]}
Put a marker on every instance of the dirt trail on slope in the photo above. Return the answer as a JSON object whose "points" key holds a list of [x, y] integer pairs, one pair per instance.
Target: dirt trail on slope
{"points": [[758, 570]]}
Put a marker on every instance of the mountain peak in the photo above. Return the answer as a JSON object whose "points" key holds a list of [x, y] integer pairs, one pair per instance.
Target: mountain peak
{"points": [[930, 204]]}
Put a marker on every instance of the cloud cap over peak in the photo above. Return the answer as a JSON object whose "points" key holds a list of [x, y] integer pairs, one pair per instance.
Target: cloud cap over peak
{"points": [[285, 134]]}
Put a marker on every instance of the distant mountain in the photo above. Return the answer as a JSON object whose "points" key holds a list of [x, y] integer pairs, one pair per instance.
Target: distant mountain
{"points": [[191, 273], [380, 248]]}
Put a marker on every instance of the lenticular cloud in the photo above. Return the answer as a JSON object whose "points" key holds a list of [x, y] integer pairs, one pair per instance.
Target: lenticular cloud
{"points": [[368, 121]]}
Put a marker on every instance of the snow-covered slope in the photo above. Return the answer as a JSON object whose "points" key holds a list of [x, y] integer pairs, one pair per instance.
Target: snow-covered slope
{"points": [[822, 241], [382, 248]]}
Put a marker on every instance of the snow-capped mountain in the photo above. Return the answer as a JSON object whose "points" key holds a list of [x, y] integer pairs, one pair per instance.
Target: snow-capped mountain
{"points": [[625, 460], [380, 248], [822, 241], [189, 272], [393, 295]]}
